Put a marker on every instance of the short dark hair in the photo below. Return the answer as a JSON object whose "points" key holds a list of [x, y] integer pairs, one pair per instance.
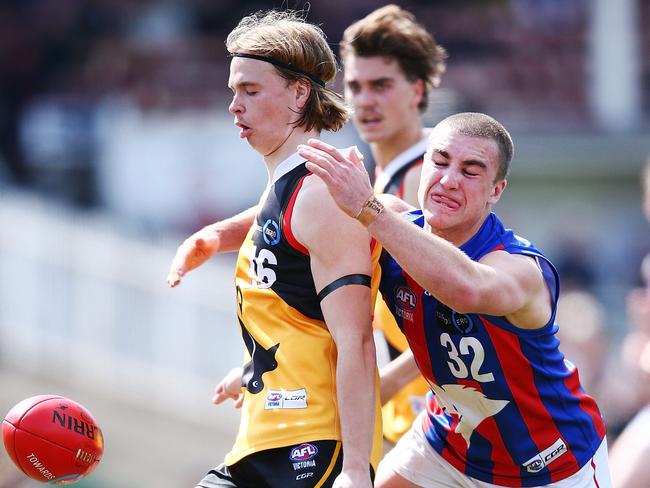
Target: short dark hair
{"points": [[475, 124], [392, 32]]}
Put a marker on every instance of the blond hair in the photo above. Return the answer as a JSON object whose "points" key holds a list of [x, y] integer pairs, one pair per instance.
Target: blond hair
{"points": [[392, 32], [284, 36]]}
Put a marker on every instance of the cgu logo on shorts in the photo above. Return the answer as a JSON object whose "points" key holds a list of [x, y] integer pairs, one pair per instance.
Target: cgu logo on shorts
{"points": [[303, 452], [546, 457]]}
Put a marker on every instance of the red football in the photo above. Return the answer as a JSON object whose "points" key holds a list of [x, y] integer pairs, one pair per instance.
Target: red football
{"points": [[52, 439]]}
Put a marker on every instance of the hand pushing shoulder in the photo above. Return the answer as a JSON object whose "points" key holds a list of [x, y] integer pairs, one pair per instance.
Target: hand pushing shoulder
{"points": [[317, 221]]}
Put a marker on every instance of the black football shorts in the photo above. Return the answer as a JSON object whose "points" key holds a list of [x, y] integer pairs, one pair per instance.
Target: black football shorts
{"points": [[305, 465]]}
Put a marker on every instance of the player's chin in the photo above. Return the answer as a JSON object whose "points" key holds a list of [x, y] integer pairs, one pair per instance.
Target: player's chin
{"points": [[435, 217], [369, 133]]}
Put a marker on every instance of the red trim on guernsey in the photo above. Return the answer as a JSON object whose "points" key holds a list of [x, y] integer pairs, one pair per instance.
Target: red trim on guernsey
{"points": [[400, 190], [286, 219], [540, 424], [456, 452], [459, 445], [419, 342], [373, 243], [587, 404], [510, 474], [593, 466], [498, 248]]}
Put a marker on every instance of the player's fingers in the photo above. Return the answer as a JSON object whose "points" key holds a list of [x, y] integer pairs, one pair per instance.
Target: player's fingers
{"points": [[355, 156], [238, 401], [175, 275], [323, 146], [332, 153], [318, 171], [317, 157], [221, 394], [315, 154], [173, 279]]}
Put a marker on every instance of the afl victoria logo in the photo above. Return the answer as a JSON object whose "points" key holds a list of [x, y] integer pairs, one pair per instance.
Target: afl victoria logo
{"points": [[405, 298], [274, 397], [271, 232], [303, 452]]}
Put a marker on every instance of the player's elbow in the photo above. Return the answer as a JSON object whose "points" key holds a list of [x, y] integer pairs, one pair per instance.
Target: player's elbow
{"points": [[368, 348], [367, 355], [359, 345], [465, 299]]}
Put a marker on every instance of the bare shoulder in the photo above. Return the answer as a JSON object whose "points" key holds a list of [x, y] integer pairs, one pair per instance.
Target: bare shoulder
{"points": [[394, 203], [318, 221], [522, 265], [519, 271]]}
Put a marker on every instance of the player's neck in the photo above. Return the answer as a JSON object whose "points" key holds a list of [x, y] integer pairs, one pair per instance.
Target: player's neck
{"points": [[460, 234], [287, 148], [383, 152]]}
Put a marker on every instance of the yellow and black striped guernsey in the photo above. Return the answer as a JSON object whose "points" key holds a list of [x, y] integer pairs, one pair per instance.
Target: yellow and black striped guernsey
{"points": [[290, 366]]}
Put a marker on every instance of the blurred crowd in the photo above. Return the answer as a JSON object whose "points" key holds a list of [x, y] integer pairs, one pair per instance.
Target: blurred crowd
{"points": [[523, 61]]}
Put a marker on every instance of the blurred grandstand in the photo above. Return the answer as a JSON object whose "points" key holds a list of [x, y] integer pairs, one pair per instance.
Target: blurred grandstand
{"points": [[116, 142]]}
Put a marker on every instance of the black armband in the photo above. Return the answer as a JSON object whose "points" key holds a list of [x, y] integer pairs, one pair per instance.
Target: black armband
{"points": [[352, 279]]}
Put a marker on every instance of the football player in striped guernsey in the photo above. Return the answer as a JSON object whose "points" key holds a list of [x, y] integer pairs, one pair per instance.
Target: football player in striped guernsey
{"points": [[477, 304]]}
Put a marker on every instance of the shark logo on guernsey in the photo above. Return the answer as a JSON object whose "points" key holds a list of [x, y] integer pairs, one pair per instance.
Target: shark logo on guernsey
{"points": [[470, 405]]}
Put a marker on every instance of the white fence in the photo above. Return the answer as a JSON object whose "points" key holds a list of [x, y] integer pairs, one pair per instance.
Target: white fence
{"points": [[82, 302]]}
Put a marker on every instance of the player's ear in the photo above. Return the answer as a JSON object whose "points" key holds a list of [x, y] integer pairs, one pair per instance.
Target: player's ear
{"points": [[497, 190], [303, 90], [418, 91]]}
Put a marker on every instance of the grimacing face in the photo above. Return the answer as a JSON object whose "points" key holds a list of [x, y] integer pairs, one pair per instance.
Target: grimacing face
{"points": [[384, 100], [263, 103], [457, 186]]}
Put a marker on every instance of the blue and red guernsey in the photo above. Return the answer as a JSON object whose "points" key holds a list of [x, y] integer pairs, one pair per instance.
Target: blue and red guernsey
{"points": [[505, 406]]}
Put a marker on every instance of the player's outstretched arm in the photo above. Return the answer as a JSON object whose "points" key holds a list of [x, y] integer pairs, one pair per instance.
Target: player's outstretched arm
{"points": [[397, 374], [223, 236], [338, 247], [230, 387]]}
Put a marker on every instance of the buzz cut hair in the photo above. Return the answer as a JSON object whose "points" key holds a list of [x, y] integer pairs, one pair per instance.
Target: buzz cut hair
{"points": [[473, 124]]}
